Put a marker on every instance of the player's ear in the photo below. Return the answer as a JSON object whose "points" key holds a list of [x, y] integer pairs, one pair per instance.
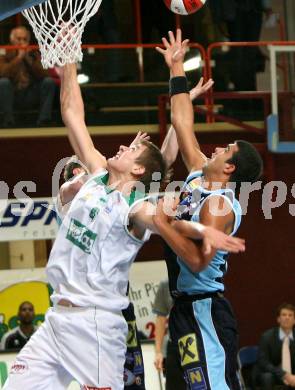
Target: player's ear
{"points": [[138, 170], [229, 168]]}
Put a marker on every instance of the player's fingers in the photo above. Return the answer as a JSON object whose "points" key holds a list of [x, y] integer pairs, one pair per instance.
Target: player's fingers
{"points": [[158, 365], [206, 87], [165, 43], [178, 35], [206, 248], [239, 242], [171, 37], [185, 44], [234, 246], [208, 84], [160, 50], [200, 81]]}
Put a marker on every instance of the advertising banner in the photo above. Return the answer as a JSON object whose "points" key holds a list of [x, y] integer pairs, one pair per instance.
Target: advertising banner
{"points": [[27, 219], [17, 286], [144, 281], [153, 381]]}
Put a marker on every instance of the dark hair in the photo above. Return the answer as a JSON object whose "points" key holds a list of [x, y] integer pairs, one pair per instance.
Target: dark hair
{"points": [[151, 158], [248, 163], [287, 306], [72, 163], [25, 303]]}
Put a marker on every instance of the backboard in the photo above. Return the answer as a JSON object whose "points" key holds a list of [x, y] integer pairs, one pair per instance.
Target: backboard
{"points": [[12, 7], [282, 57]]}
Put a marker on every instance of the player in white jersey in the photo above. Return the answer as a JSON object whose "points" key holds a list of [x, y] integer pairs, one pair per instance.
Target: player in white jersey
{"points": [[84, 334]]}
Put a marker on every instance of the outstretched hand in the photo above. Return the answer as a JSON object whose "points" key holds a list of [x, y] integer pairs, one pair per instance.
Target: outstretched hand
{"points": [[175, 49], [140, 136], [215, 239], [200, 88]]}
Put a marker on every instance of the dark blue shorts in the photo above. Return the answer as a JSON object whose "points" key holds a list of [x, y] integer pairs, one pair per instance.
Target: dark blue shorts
{"points": [[133, 368], [205, 338]]}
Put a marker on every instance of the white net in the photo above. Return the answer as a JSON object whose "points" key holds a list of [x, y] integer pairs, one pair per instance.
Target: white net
{"points": [[58, 26]]}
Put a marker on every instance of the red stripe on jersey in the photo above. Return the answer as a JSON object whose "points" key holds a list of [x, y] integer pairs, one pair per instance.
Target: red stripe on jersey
{"points": [[193, 5]]}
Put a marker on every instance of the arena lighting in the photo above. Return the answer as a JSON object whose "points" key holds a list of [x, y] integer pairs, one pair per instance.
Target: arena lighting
{"points": [[83, 78], [192, 64]]}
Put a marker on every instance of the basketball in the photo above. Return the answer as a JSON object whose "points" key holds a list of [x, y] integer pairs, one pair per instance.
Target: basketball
{"points": [[184, 7]]}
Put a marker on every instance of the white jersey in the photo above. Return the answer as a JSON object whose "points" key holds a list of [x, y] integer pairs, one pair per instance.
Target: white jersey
{"points": [[90, 259]]}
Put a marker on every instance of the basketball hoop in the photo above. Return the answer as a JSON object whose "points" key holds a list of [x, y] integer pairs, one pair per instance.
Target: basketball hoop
{"points": [[58, 26]]}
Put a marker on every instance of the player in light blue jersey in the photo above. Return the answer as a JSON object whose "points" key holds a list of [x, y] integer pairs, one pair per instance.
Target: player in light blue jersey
{"points": [[202, 325], [108, 220]]}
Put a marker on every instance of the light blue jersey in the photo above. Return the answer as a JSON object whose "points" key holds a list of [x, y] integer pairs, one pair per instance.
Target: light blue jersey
{"points": [[192, 200]]}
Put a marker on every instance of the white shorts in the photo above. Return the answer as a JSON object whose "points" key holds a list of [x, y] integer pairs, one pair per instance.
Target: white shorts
{"points": [[85, 344]]}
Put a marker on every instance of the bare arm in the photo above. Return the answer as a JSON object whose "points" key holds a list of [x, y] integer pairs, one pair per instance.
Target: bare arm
{"points": [[213, 230], [212, 238], [72, 109], [159, 338], [182, 118], [170, 147], [67, 192], [69, 189], [147, 216], [185, 248], [182, 114], [211, 216]]}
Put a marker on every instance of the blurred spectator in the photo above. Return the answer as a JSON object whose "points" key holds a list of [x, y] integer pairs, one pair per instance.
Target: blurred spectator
{"points": [[276, 359], [105, 24], [245, 25], [17, 337], [164, 358], [23, 81]]}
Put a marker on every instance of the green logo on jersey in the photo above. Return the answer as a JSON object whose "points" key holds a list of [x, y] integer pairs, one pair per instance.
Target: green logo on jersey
{"points": [[80, 236], [93, 213]]}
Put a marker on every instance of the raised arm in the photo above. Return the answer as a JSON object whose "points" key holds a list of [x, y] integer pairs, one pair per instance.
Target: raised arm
{"points": [[72, 109], [170, 146], [182, 114]]}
